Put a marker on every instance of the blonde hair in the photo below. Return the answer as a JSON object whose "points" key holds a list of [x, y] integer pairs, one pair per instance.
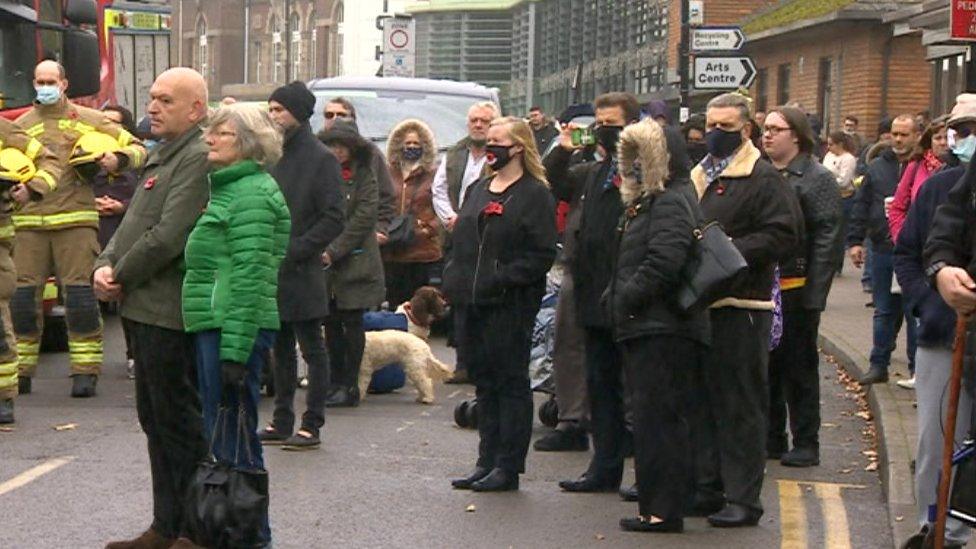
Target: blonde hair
{"points": [[644, 144], [521, 134], [257, 137]]}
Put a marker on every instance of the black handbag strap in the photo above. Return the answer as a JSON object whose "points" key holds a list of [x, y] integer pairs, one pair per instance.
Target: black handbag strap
{"points": [[243, 432]]}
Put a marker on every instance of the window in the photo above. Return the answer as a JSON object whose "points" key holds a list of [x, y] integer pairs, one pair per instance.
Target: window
{"points": [[276, 47], [258, 64], [295, 30], [17, 57], [825, 93], [762, 90], [312, 46], [783, 83], [203, 54]]}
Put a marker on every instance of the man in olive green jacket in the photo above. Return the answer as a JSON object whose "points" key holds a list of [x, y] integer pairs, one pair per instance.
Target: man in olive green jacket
{"points": [[143, 264]]}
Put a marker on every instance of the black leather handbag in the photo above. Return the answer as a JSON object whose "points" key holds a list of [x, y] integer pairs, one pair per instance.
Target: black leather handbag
{"points": [[714, 264], [226, 505], [400, 233]]}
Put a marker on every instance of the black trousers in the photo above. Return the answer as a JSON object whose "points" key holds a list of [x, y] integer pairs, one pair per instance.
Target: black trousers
{"points": [[736, 374], [403, 279], [168, 405], [658, 377], [495, 342], [346, 341], [604, 368], [308, 333], [794, 380]]}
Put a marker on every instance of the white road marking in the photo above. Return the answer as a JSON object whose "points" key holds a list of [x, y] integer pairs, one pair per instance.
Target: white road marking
{"points": [[34, 473]]}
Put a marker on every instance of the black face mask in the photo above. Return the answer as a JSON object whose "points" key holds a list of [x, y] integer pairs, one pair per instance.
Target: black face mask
{"points": [[607, 137], [697, 151], [721, 143], [413, 154], [498, 156]]}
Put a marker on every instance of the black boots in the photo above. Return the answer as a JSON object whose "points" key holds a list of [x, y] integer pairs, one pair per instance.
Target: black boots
{"points": [[734, 515], [6, 411], [572, 439], [804, 456], [83, 385], [343, 397]]}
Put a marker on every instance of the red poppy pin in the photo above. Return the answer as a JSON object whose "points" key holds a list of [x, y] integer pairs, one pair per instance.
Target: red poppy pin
{"points": [[150, 183], [494, 208], [346, 174], [720, 189], [617, 180]]}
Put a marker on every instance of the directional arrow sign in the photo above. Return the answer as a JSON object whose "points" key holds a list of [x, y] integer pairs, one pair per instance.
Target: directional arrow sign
{"points": [[716, 39], [723, 73]]}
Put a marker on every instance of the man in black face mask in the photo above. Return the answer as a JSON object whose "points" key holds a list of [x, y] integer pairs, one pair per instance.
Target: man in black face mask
{"points": [[595, 186], [760, 212]]}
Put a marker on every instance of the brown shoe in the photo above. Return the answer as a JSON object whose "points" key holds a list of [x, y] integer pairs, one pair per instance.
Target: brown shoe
{"points": [[185, 543], [148, 540]]}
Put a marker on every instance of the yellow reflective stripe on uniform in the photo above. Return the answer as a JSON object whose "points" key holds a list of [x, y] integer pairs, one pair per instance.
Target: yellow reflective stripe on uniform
{"points": [[33, 148], [54, 220], [28, 352], [50, 291], [8, 368], [84, 346], [6, 232], [135, 156], [94, 358], [47, 178], [35, 130]]}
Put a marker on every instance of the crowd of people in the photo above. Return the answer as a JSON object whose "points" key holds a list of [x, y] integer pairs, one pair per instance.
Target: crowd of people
{"points": [[231, 238]]}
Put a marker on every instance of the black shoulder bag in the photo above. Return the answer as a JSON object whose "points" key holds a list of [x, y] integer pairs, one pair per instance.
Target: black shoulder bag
{"points": [[226, 504], [401, 231], [714, 263]]}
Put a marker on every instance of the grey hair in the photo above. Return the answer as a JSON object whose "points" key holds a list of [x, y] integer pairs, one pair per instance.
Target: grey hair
{"points": [[257, 137], [486, 105], [732, 100]]}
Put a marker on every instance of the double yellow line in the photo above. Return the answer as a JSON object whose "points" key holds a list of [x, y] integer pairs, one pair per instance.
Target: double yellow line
{"points": [[793, 514]]}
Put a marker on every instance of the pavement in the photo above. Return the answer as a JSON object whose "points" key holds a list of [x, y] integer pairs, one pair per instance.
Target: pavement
{"points": [[381, 479], [846, 335]]}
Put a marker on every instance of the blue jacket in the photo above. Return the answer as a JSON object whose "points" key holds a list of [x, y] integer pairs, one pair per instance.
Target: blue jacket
{"points": [[936, 320]]}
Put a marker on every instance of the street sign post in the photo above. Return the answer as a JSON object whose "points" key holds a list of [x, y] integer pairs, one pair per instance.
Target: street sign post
{"points": [[719, 39], [399, 56], [962, 20], [723, 73]]}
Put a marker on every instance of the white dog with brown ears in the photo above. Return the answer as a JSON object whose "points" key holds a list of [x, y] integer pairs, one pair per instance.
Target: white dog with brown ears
{"points": [[408, 348]]}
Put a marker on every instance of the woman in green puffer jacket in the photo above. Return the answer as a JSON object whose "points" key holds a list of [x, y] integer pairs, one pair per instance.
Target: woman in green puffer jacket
{"points": [[231, 284]]}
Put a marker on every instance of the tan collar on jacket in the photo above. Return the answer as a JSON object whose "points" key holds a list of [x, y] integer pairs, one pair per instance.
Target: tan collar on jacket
{"points": [[741, 166]]}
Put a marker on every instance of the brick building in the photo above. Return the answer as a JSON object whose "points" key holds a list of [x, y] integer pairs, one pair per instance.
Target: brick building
{"points": [[836, 59], [249, 47]]}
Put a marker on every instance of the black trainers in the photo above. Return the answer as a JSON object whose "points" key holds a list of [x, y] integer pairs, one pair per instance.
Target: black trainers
{"points": [[23, 385], [83, 385], [6, 411], [566, 440], [298, 442]]}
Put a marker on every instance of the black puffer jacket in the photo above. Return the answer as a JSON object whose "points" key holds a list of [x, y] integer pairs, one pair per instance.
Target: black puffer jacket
{"points": [[816, 256], [502, 259], [868, 219]]}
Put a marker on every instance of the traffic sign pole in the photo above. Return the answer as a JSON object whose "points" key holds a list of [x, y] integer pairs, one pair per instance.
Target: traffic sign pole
{"points": [[683, 54]]}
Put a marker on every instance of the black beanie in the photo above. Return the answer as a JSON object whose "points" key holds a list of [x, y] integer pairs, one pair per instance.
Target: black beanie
{"points": [[296, 98]]}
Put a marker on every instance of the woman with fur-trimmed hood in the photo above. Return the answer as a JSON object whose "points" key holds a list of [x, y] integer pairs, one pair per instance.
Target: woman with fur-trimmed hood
{"points": [[658, 341], [412, 160]]}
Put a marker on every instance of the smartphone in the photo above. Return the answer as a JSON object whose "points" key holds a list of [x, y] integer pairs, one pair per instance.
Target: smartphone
{"points": [[582, 137]]}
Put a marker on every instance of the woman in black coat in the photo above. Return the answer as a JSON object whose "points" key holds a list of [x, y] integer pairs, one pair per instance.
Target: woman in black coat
{"points": [[657, 340], [503, 245]]}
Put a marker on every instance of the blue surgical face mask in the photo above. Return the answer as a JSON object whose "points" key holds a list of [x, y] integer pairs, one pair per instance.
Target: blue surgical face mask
{"points": [[964, 149], [48, 95], [413, 154]]}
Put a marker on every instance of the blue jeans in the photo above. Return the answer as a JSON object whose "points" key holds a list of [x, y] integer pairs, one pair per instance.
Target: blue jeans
{"points": [[223, 439], [888, 313], [868, 272]]}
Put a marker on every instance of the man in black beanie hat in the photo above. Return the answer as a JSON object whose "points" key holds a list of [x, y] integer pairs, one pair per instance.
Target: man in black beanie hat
{"points": [[309, 176]]}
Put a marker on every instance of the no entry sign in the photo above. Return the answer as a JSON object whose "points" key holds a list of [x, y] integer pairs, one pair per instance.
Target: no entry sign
{"points": [[962, 20]]}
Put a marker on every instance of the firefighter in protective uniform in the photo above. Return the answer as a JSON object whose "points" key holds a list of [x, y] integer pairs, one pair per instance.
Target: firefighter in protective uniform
{"points": [[28, 171], [59, 235]]}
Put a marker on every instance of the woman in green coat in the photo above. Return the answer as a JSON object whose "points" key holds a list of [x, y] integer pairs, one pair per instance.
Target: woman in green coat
{"points": [[352, 261], [231, 285]]}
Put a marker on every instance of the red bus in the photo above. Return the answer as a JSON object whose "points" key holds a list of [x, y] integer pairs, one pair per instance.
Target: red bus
{"points": [[112, 50]]}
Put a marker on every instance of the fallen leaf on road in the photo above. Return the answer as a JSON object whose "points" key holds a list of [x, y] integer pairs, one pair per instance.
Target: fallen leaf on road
{"points": [[899, 518], [864, 415], [66, 427], [828, 425], [470, 508], [873, 466], [600, 537], [870, 453], [6, 429], [845, 471]]}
